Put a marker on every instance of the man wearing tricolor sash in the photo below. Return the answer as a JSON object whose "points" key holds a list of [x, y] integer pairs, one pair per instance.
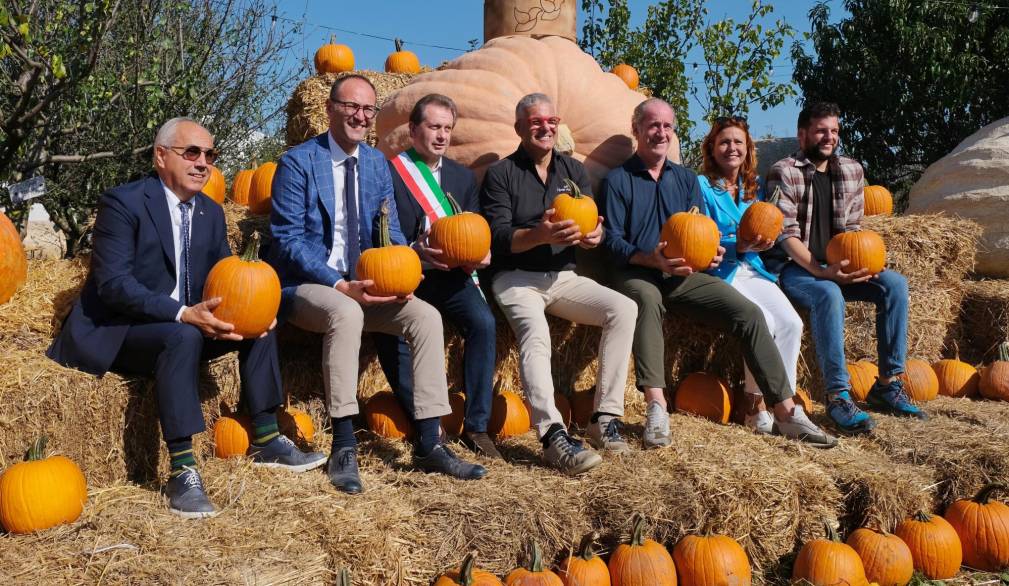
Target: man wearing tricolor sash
{"points": [[423, 179]]}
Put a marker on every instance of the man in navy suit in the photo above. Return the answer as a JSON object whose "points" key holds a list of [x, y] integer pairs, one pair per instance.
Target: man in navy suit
{"points": [[139, 313], [423, 178], [326, 197]]}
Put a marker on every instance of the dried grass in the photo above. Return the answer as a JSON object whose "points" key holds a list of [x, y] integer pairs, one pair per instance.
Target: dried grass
{"points": [[984, 320]]}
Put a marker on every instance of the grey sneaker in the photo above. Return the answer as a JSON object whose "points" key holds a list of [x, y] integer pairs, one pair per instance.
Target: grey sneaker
{"points": [[656, 433], [799, 427], [280, 452], [760, 422], [607, 436], [186, 496], [569, 455]]}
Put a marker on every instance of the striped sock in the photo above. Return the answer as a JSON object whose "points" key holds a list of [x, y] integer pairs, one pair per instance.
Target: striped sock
{"points": [[264, 427], [181, 453]]}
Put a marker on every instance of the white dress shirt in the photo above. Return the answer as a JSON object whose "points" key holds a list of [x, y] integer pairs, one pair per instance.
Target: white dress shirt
{"points": [[338, 254], [176, 215]]}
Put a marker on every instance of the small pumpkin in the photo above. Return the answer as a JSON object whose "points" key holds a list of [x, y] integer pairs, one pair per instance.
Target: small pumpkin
{"points": [[705, 395], [828, 562], [241, 186], [983, 527], [296, 424], [249, 290], [804, 400], [395, 270], [576, 206], [386, 417], [261, 192], [878, 201], [627, 74], [919, 380], [934, 543], [216, 187], [232, 433], [402, 61], [886, 558], [956, 378], [763, 219], [641, 561], [994, 382], [463, 238], [583, 405], [533, 573], [333, 58], [584, 567], [861, 376], [41, 492], [509, 416], [691, 236], [13, 263], [863, 249], [468, 575], [711, 560], [454, 422]]}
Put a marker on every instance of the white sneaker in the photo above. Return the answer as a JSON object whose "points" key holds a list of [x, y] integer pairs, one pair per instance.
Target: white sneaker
{"points": [[799, 427], [760, 422], [656, 433]]}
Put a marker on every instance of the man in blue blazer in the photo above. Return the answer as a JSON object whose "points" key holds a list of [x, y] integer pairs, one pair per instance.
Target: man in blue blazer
{"points": [[423, 179], [139, 313], [326, 197]]}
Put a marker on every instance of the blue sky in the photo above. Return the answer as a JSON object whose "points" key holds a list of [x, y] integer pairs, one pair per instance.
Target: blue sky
{"points": [[453, 23]]}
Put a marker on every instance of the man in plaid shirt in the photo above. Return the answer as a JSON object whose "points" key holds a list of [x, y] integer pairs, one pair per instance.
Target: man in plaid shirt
{"points": [[822, 195]]}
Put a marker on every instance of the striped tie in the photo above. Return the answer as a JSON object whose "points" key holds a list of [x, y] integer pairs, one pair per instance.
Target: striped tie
{"points": [[185, 207]]}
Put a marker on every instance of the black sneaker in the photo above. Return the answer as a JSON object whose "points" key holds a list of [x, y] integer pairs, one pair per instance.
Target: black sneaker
{"points": [[342, 470], [481, 444], [444, 461], [892, 398], [186, 496], [280, 452]]}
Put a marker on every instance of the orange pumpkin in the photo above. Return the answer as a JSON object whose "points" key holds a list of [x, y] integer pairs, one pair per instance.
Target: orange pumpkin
{"points": [[41, 492], [262, 189], [762, 219], [994, 382], [956, 378], [861, 376], [863, 249], [577, 207], [828, 562], [333, 58], [463, 238], [533, 573], [232, 434], [454, 422], [919, 380], [628, 74], [249, 290], [13, 263], [468, 575], [983, 528], [802, 399], [935, 545], [886, 558], [296, 424], [691, 236], [509, 416], [878, 201], [241, 186], [216, 187], [705, 395], [583, 405], [712, 560], [585, 568], [386, 417], [402, 61], [641, 561], [395, 270]]}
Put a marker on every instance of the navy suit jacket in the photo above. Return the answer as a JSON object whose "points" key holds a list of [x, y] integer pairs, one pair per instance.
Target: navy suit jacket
{"points": [[132, 273]]}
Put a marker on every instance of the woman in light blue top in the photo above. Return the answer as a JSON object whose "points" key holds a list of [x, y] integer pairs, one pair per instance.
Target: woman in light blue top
{"points": [[729, 185]]}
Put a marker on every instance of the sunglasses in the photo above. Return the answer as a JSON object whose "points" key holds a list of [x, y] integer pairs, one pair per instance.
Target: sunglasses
{"points": [[540, 121], [192, 153], [727, 119]]}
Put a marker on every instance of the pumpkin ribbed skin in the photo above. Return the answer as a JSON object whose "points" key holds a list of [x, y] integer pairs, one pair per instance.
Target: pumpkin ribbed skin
{"points": [[715, 560], [956, 378], [641, 561], [232, 434], [994, 382], [401, 61], [333, 58], [260, 193], [828, 562], [509, 416], [463, 238], [216, 187], [576, 206], [13, 263], [983, 528], [864, 249], [454, 422], [385, 416], [396, 270], [249, 290], [761, 219], [41, 492], [935, 545], [241, 186], [878, 201], [627, 74], [691, 236], [861, 375], [585, 568], [920, 381], [886, 558], [468, 575], [533, 573], [705, 395], [296, 424]]}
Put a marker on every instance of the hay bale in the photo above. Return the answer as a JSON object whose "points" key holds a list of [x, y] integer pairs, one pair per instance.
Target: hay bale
{"points": [[984, 320]]}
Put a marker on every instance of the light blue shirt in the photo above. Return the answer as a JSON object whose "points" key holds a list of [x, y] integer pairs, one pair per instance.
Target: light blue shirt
{"points": [[722, 208]]}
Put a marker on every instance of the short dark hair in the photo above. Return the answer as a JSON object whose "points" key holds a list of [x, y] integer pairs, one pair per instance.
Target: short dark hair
{"points": [[816, 110], [417, 114], [335, 88]]}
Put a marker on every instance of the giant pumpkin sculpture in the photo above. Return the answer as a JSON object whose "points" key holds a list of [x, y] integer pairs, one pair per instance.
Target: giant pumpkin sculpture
{"points": [[487, 84]]}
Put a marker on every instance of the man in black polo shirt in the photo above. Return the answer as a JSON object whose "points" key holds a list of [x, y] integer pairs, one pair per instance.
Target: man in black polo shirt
{"points": [[534, 275]]}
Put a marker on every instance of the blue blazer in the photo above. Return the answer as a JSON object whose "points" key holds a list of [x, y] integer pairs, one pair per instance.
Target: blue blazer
{"points": [[722, 208], [301, 220], [132, 273]]}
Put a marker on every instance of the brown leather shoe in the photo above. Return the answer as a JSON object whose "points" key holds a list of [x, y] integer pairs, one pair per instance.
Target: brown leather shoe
{"points": [[481, 444]]}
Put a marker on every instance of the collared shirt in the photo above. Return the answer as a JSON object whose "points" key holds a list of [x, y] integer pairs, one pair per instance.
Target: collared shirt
{"points": [[634, 205], [176, 214], [338, 255], [514, 197]]}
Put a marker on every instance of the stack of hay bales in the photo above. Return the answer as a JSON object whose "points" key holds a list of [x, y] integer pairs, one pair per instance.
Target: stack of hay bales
{"points": [[984, 320]]}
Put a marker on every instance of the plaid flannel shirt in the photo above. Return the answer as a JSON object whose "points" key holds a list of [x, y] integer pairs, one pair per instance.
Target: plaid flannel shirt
{"points": [[794, 175]]}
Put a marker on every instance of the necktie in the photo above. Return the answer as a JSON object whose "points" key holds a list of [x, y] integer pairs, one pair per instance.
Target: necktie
{"points": [[185, 207], [353, 223]]}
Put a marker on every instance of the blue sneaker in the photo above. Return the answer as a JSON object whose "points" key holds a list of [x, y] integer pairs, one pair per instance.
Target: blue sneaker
{"points": [[891, 398], [281, 452], [186, 496], [847, 417]]}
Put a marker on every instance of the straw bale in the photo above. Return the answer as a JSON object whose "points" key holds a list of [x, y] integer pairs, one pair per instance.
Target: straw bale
{"points": [[984, 320], [993, 415]]}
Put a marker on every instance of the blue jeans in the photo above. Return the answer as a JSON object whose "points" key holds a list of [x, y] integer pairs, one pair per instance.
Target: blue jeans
{"points": [[459, 301], [825, 300]]}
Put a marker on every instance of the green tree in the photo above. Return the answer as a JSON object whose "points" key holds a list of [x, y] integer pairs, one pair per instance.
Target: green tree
{"points": [[738, 56], [913, 79]]}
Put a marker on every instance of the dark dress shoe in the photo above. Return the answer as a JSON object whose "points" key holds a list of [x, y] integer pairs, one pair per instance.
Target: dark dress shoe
{"points": [[281, 452], [342, 470], [186, 496], [442, 460], [481, 444]]}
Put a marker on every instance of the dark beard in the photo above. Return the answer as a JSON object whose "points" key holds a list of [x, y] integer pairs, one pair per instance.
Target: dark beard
{"points": [[813, 154]]}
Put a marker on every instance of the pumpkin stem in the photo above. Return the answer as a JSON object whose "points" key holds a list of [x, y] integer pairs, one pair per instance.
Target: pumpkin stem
{"points": [[466, 569], [831, 532], [921, 517], [399, 44], [534, 556], [332, 39], [775, 196], [38, 450], [1003, 351], [575, 191], [497, 387], [384, 239], [453, 204], [694, 210], [585, 547], [637, 529], [251, 252], [985, 493], [343, 578]]}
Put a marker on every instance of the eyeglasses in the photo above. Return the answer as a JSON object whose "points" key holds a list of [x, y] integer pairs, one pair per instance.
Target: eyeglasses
{"points": [[192, 152], [351, 108], [727, 119]]}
